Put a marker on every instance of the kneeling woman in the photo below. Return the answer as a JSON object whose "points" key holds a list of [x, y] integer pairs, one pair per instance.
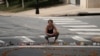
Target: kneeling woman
{"points": [[51, 31]]}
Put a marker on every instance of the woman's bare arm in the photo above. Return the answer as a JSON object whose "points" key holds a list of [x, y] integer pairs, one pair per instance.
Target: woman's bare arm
{"points": [[46, 30], [55, 31]]}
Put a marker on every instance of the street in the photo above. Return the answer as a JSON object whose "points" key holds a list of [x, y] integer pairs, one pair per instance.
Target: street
{"points": [[72, 29], [24, 36]]}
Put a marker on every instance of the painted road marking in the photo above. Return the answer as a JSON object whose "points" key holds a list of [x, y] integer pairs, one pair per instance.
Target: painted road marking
{"points": [[53, 18], [81, 26], [84, 29], [61, 21], [58, 18], [79, 38], [72, 23], [26, 39], [88, 33], [42, 36]]}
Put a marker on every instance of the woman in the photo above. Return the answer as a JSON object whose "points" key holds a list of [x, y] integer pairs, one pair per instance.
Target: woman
{"points": [[51, 31]]}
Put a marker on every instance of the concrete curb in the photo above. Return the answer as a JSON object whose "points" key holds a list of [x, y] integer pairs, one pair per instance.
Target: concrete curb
{"points": [[88, 14], [73, 14], [82, 14]]}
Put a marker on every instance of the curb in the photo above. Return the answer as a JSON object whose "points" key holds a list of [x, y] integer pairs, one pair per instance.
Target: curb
{"points": [[75, 14], [88, 14], [5, 15], [81, 14]]}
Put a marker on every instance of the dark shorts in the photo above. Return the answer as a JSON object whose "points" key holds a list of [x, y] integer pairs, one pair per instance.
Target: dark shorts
{"points": [[55, 35]]}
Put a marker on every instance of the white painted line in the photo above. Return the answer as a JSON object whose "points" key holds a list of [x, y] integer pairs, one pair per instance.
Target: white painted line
{"points": [[26, 39], [54, 18], [88, 33], [79, 38], [51, 17], [72, 23], [51, 39], [61, 21], [1, 41], [42, 36], [81, 26], [15, 37], [84, 29], [59, 40]]}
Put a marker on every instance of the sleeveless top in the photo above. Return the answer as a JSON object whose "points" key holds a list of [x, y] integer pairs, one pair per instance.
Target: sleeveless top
{"points": [[50, 31]]}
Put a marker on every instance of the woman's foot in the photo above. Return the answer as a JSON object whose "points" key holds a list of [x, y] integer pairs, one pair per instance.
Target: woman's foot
{"points": [[48, 42], [54, 42]]}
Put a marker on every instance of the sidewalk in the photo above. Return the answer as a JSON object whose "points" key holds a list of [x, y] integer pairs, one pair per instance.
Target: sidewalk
{"points": [[52, 11], [6, 13], [55, 11]]}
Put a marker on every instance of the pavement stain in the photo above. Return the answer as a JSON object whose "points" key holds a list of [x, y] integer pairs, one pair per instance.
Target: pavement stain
{"points": [[5, 53]]}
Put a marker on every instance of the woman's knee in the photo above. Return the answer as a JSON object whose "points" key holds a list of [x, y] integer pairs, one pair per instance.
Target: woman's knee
{"points": [[46, 37], [57, 34]]}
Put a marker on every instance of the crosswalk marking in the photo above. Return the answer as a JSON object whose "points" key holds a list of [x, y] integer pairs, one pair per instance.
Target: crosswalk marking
{"points": [[79, 38], [15, 37], [84, 29], [1, 41], [59, 40], [61, 21], [26, 39], [75, 25], [51, 39], [42, 36], [72, 23], [81, 26], [54, 18], [88, 33]]}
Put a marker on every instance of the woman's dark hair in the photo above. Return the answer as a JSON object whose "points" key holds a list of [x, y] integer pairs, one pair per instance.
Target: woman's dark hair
{"points": [[50, 20]]}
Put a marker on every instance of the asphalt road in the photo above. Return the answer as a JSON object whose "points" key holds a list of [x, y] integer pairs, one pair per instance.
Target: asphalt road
{"points": [[19, 31], [26, 29]]}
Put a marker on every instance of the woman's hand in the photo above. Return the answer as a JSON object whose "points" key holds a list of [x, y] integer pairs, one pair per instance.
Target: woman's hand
{"points": [[50, 34], [55, 32]]}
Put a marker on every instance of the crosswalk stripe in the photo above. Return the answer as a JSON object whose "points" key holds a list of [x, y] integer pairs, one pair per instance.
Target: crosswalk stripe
{"points": [[72, 23], [88, 33], [42, 36], [59, 40], [26, 39], [50, 17], [16, 37], [1, 41], [54, 18], [84, 29], [79, 38], [81, 26], [61, 21]]}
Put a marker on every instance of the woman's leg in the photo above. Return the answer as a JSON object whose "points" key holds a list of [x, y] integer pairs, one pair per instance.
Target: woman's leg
{"points": [[56, 37], [47, 38]]}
